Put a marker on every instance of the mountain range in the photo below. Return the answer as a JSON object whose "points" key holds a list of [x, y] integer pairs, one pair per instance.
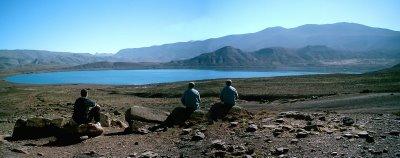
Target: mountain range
{"points": [[275, 47]]}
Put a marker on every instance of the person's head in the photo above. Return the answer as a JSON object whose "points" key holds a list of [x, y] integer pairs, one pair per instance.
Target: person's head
{"points": [[191, 85], [84, 93], [228, 82]]}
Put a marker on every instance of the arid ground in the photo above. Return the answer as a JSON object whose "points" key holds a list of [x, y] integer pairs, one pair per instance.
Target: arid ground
{"points": [[371, 100]]}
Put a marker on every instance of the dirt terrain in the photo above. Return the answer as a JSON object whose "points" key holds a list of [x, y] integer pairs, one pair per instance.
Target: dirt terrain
{"points": [[372, 101]]}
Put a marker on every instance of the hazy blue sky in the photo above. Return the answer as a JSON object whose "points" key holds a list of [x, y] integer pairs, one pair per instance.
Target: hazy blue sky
{"points": [[107, 26]]}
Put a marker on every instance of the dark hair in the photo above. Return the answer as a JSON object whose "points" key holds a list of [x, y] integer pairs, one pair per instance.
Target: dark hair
{"points": [[191, 85], [228, 82], [84, 93]]}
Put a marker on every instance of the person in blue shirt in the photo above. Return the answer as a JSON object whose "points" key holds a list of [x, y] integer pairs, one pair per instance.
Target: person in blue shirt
{"points": [[191, 102], [228, 97], [191, 98]]}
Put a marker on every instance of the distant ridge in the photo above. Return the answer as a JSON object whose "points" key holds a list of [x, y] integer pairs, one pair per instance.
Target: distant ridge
{"points": [[339, 36]]}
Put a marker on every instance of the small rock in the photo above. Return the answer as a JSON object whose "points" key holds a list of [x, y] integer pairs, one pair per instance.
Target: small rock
{"points": [[247, 156], [252, 128], [294, 141], [18, 150], [148, 154], [280, 151], [363, 134], [322, 118], [280, 120], [118, 123], [347, 121], [40, 154], [198, 136], [334, 153], [348, 135], [186, 131], [370, 139], [268, 126], [218, 145], [395, 133], [301, 134], [219, 153], [116, 112], [234, 124]]}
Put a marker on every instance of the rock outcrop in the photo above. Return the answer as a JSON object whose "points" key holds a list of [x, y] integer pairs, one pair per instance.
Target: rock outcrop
{"points": [[37, 127], [145, 114]]}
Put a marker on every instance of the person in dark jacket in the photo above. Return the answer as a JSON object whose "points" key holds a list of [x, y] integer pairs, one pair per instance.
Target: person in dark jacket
{"points": [[85, 110]]}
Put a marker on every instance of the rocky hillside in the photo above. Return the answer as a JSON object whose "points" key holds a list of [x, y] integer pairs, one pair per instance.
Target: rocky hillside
{"points": [[26, 58], [275, 57], [340, 36]]}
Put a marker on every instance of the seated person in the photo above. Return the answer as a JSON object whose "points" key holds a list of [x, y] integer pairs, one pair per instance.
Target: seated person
{"points": [[85, 111], [228, 97], [191, 101]]}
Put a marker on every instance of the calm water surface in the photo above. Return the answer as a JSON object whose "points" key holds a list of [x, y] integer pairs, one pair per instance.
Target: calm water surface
{"points": [[140, 77]]}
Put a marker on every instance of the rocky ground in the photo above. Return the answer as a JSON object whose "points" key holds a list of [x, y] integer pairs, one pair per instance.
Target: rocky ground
{"points": [[269, 132], [349, 116]]}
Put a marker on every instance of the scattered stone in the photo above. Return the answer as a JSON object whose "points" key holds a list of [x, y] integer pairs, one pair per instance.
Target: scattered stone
{"points": [[234, 124], [370, 139], [348, 135], [287, 127], [18, 150], [265, 120], [247, 156], [117, 113], [148, 154], [219, 153], [363, 134], [395, 133], [269, 126], [118, 123], [280, 151], [294, 141], [198, 136], [334, 153], [322, 118], [296, 115], [186, 131], [347, 121], [218, 145], [277, 131], [280, 120], [252, 128], [301, 134], [40, 154]]}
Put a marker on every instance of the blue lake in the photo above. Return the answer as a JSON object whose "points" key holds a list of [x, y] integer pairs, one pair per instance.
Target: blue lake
{"points": [[140, 77]]}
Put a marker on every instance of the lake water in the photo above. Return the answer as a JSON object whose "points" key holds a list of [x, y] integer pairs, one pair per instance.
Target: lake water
{"points": [[140, 77]]}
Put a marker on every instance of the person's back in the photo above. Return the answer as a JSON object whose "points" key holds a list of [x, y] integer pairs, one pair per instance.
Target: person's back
{"points": [[85, 110], [81, 110], [191, 98], [229, 94]]}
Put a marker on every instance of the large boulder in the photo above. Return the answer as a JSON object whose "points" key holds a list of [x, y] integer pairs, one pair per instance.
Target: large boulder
{"points": [[72, 130], [90, 129], [144, 114], [37, 127]]}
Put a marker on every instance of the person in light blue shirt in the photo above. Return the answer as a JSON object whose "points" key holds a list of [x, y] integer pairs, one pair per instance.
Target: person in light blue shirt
{"points": [[191, 98], [228, 97], [229, 94]]}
